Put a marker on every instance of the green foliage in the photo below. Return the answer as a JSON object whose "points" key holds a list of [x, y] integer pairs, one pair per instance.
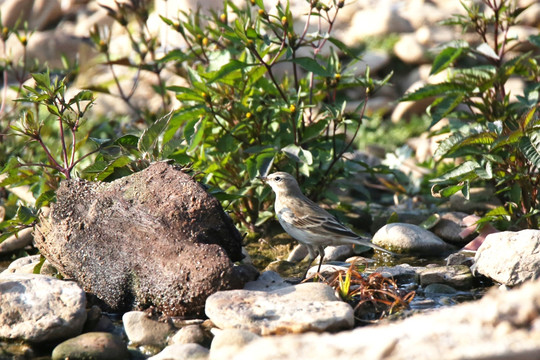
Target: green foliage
{"points": [[496, 138], [260, 96], [44, 132]]}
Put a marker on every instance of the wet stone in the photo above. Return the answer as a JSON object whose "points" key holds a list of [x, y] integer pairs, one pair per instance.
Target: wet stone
{"points": [[450, 226], [409, 238], [438, 289], [92, 345], [458, 276], [402, 274]]}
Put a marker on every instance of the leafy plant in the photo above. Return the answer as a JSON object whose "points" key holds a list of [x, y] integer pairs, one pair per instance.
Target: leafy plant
{"points": [[243, 114], [40, 139], [49, 111], [495, 138]]}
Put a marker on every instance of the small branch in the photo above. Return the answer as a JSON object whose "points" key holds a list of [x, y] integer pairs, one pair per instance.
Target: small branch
{"points": [[82, 158], [346, 148], [54, 163], [62, 138], [269, 69]]}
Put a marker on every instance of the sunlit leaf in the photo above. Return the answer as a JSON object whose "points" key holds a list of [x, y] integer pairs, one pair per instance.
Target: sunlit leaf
{"points": [[45, 198], [193, 132], [228, 68], [445, 191], [25, 215], [150, 137], [530, 147], [459, 171], [444, 59], [431, 90], [487, 51]]}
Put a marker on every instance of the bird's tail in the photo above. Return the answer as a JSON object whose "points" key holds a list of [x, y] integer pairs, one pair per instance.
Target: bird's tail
{"points": [[366, 242]]}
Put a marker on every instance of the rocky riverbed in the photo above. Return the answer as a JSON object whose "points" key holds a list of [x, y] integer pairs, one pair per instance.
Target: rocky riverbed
{"points": [[50, 308], [306, 320], [88, 301]]}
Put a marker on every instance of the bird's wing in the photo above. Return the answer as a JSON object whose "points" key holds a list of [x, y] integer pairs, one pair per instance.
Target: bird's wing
{"points": [[324, 223], [332, 225]]}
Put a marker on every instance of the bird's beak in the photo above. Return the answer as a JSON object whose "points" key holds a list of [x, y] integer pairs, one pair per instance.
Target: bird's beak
{"points": [[262, 178]]}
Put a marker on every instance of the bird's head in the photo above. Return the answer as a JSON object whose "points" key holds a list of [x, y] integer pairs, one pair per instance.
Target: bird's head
{"points": [[281, 182]]}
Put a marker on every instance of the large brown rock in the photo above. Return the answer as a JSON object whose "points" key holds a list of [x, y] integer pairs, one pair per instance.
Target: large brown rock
{"points": [[153, 239]]}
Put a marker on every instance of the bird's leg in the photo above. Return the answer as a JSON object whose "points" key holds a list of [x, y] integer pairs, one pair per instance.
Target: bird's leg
{"points": [[321, 254], [312, 256]]}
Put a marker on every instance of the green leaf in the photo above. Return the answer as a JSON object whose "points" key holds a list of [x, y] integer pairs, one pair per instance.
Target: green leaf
{"points": [[444, 106], [498, 211], [228, 68], [185, 93], [193, 132], [265, 160], [535, 40], [448, 145], [460, 171], [430, 90], [100, 142], [84, 95], [314, 130], [166, 20], [512, 138], [444, 59], [311, 65], [102, 169], [25, 215], [176, 55], [446, 191], [485, 138], [43, 80], [344, 48], [260, 163], [128, 141], [39, 265], [430, 222], [487, 51], [223, 196], [298, 154], [53, 109], [528, 116], [530, 147], [393, 218], [458, 141], [150, 137], [487, 173], [183, 115], [45, 198]]}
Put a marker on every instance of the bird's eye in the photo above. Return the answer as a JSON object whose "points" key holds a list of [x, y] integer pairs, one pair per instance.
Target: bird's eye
{"points": [[277, 178]]}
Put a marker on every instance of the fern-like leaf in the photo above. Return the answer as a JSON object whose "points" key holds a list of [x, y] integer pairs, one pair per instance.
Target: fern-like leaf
{"points": [[530, 147]]}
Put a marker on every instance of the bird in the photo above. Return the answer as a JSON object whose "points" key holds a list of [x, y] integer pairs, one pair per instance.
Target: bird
{"points": [[307, 222]]}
